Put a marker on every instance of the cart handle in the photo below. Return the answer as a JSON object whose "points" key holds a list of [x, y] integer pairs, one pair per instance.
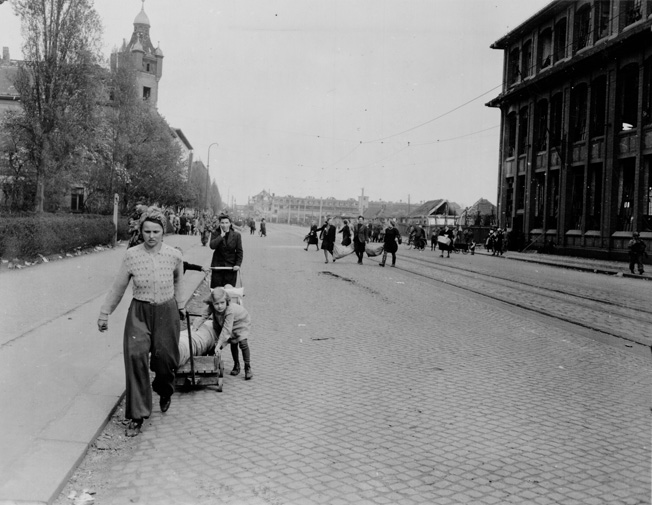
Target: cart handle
{"points": [[190, 349], [221, 268]]}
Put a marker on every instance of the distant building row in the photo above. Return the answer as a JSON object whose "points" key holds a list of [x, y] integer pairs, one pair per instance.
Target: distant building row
{"points": [[303, 210]]}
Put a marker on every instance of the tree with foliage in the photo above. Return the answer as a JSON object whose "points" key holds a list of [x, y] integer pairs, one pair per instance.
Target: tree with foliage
{"points": [[58, 89], [214, 199]]}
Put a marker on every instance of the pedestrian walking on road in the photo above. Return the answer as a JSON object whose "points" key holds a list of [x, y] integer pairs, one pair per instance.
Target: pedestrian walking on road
{"points": [[311, 238], [151, 333], [346, 233], [263, 228], [360, 238], [391, 240], [499, 242], [327, 238], [227, 246], [202, 228], [445, 240], [637, 252], [232, 325]]}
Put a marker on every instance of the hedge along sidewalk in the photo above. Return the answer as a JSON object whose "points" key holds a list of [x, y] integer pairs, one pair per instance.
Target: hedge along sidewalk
{"points": [[38, 236]]}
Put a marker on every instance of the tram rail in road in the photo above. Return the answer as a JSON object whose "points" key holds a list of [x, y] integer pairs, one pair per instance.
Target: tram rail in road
{"points": [[618, 323]]}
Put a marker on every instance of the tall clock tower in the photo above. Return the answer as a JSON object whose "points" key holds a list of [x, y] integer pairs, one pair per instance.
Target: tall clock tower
{"points": [[141, 56]]}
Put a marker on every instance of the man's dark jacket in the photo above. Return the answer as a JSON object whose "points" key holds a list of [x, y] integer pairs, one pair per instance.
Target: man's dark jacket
{"points": [[228, 249]]}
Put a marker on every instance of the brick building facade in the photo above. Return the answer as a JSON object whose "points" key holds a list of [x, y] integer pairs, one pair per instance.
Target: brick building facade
{"points": [[576, 126]]}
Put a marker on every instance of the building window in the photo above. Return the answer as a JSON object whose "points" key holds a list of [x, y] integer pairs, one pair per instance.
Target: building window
{"points": [[646, 220], [541, 126], [539, 199], [77, 199], [520, 195], [598, 106], [577, 198], [509, 202], [631, 11], [602, 18], [578, 113], [526, 62], [628, 97], [625, 180], [553, 199], [582, 28], [545, 48], [513, 70], [560, 40], [556, 120], [510, 144], [594, 198], [522, 131], [147, 93], [647, 93]]}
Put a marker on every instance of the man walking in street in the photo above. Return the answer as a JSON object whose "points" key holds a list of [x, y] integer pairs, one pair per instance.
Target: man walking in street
{"points": [[360, 238], [636, 253], [227, 244]]}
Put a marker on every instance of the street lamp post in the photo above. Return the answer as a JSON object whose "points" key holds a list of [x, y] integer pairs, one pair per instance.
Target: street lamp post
{"points": [[208, 173]]}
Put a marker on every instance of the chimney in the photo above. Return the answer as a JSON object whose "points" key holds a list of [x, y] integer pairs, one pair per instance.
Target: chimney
{"points": [[5, 54]]}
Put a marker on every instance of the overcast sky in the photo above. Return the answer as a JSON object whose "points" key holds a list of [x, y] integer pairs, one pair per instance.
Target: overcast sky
{"points": [[325, 97]]}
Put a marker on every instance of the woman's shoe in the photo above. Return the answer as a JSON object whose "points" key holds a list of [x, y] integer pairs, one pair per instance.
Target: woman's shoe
{"points": [[248, 373], [134, 428], [164, 403], [236, 370]]}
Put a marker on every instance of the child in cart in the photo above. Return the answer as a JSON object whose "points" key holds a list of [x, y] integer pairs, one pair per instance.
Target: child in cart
{"points": [[230, 324]]}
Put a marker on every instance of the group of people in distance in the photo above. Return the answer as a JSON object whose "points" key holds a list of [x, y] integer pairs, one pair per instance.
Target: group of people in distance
{"points": [[251, 222], [359, 235], [152, 327]]}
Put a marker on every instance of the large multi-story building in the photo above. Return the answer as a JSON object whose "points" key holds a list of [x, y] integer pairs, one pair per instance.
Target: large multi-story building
{"points": [[576, 135]]}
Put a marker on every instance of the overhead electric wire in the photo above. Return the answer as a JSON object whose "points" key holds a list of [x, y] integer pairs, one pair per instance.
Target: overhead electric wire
{"points": [[433, 119]]}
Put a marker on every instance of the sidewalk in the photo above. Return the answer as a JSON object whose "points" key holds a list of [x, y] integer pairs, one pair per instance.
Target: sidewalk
{"points": [[575, 263], [59, 377], [62, 379]]}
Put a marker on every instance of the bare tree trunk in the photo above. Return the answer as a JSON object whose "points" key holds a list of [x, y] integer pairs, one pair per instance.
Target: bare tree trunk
{"points": [[40, 192]]}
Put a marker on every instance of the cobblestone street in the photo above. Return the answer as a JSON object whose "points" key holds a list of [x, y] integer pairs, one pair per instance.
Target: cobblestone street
{"points": [[371, 387]]}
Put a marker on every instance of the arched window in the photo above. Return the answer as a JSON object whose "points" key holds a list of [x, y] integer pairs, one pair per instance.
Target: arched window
{"points": [[560, 40], [582, 27], [510, 135], [578, 112], [545, 49], [513, 70], [523, 130], [541, 126], [598, 106]]}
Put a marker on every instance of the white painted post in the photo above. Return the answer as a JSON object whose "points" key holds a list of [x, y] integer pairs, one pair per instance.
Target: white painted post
{"points": [[116, 199]]}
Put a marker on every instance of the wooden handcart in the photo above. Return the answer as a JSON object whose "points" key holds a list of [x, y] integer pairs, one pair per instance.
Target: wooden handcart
{"points": [[200, 370], [206, 370]]}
